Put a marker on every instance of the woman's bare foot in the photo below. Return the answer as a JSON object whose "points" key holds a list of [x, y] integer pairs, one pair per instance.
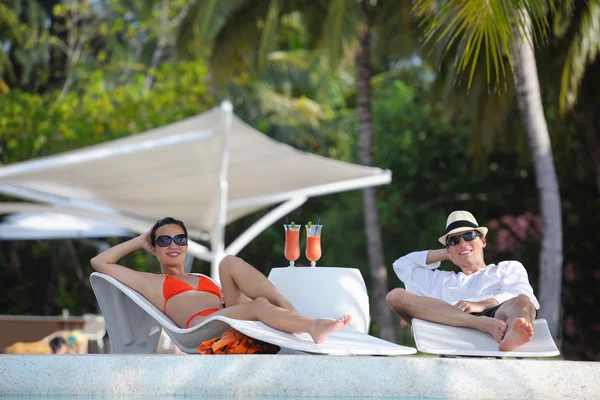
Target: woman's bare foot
{"points": [[324, 327], [519, 333], [493, 326]]}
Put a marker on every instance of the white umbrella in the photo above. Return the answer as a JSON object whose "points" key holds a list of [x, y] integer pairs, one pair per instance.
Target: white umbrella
{"points": [[208, 170]]}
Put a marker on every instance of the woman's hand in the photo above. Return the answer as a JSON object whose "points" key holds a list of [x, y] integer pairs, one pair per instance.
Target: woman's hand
{"points": [[144, 240]]}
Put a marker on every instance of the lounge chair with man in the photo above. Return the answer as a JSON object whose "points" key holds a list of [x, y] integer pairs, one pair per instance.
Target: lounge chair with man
{"points": [[483, 310]]}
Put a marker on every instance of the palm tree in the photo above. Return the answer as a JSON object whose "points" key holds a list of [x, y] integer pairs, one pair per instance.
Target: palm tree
{"points": [[373, 20], [498, 29]]}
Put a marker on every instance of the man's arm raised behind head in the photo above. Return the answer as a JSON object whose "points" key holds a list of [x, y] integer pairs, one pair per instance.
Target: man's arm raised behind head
{"points": [[435, 256], [416, 270]]}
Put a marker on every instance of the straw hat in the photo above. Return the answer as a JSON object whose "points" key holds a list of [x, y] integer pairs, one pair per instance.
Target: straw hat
{"points": [[461, 221]]}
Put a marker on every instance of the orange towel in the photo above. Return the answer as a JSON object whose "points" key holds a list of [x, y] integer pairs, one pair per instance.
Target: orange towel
{"points": [[235, 342]]}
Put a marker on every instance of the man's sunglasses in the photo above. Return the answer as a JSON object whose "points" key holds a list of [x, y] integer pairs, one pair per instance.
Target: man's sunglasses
{"points": [[164, 240], [467, 236]]}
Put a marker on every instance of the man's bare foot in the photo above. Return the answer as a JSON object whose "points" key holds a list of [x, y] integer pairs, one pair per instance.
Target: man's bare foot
{"points": [[324, 327], [493, 326], [519, 333]]}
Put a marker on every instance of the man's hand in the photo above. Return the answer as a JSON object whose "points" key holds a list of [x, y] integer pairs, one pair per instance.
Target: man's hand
{"points": [[475, 306]]}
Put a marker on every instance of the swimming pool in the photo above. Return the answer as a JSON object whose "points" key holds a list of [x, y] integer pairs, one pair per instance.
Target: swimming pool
{"points": [[199, 397]]}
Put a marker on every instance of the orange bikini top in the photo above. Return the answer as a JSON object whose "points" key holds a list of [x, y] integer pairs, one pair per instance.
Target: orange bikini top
{"points": [[173, 286]]}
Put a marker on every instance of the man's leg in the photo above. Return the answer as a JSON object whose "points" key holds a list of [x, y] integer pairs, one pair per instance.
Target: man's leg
{"points": [[519, 314], [407, 304]]}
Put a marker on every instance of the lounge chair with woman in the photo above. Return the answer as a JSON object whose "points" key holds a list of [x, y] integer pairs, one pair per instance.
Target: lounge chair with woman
{"points": [[245, 293]]}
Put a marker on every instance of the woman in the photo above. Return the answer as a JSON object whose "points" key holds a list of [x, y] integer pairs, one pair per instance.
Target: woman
{"points": [[188, 300]]}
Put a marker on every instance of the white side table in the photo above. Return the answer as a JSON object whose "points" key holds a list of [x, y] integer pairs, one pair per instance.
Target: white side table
{"points": [[325, 292]]}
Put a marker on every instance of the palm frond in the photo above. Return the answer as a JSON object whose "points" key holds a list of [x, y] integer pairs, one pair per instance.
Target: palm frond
{"points": [[341, 31], [304, 73], [584, 48], [6, 67], [269, 31], [203, 20], [285, 69], [36, 16], [284, 110], [8, 23], [396, 32], [481, 25], [234, 46], [6, 14]]}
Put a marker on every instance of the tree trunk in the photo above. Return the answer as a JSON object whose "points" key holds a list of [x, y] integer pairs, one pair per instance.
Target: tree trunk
{"points": [[382, 315], [532, 114]]}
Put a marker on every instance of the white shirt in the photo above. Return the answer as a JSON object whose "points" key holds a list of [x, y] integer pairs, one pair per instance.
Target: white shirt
{"points": [[501, 282]]}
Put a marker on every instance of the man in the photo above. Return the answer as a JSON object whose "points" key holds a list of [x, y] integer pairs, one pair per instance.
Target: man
{"points": [[496, 299]]}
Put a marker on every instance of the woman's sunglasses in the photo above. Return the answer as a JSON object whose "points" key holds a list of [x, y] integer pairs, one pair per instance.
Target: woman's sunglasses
{"points": [[164, 240], [467, 236]]}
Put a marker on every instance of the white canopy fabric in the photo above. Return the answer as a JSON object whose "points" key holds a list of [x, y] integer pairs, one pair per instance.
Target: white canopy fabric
{"points": [[38, 226], [207, 170]]}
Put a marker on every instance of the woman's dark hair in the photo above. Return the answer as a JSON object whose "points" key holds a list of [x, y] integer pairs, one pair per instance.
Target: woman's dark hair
{"points": [[57, 343], [162, 222]]}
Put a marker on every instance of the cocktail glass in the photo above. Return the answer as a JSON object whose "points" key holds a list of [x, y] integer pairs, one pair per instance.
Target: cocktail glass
{"points": [[313, 243], [292, 243]]}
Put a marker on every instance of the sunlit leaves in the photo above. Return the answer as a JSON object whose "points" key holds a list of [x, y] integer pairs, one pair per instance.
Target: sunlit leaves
{"points": [[34, 125], [475, 26]]}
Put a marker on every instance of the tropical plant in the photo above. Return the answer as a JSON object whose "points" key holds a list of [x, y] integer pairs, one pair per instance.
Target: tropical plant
{"points": [[502, 31], [49, 44]]}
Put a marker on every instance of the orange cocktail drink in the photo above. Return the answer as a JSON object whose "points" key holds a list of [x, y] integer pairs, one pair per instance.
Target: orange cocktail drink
{"points": [[313, 248], [292, 243], [313, 243]]}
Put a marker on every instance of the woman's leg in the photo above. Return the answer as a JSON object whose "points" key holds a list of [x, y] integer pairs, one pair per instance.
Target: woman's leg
{"points": [[260, 309], [241, 283]]}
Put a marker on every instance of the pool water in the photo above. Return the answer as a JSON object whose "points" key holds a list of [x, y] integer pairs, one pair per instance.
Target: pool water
{"points": [[199, 397]]}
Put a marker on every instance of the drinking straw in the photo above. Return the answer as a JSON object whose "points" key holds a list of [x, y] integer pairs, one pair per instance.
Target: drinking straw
{"points": [[286, 221], [318, 219]]}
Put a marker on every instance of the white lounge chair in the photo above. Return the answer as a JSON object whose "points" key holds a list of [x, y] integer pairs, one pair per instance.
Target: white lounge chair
{"points": [[134, 326], [325, 292], [94, 329], [454, 341]]}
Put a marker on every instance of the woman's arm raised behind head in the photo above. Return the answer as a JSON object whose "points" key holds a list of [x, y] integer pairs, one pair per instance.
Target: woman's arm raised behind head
{"points": [[106, 262]]}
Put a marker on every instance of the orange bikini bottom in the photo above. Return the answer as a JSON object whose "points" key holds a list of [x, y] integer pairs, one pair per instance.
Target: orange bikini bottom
{"points": [[204, 313]]}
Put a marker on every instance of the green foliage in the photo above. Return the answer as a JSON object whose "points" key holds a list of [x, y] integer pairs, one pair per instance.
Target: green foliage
{"points": [[43, 277], [98, 114]]}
